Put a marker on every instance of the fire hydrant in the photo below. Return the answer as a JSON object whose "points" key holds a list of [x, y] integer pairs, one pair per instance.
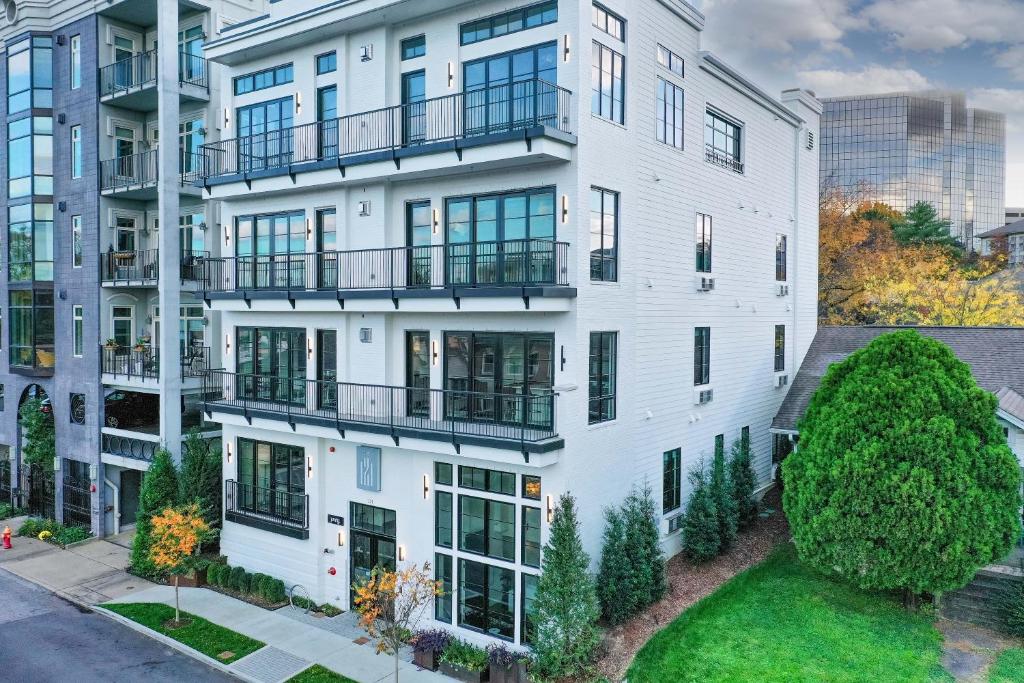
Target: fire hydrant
{"points": [[7, 538]]}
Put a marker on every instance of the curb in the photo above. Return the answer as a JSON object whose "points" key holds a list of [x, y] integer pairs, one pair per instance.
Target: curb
{"points": [[173, 644]]}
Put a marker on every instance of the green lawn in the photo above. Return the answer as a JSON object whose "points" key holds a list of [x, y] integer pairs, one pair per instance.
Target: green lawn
{"points": [[1009, 668], [781, 622], [319, 674], [201, 635]]}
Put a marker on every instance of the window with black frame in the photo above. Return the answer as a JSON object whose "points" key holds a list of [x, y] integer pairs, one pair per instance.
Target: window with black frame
{"points": [[604, 235], [271, 481], [722, 141], [780, 348], [503, 378], [487, 598], [671, 480], [327, 369], [601, 384], [701, 355], [780, 258], [417, 368], [420, 254], [270, 251], [702, 242], [270, 363], [487, 527], [511, 91], [265, 134], [608, 83]]}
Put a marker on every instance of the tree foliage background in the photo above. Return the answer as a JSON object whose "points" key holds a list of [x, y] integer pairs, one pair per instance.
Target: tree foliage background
{"points": [[903, 478], [878, 266]]}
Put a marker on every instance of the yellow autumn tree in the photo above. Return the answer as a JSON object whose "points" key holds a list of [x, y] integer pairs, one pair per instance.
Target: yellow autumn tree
{"points": [[391, 603], [176, 536]]}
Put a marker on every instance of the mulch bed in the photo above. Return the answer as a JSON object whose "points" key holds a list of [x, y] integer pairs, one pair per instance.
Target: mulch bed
{"points": [[688, 583]]}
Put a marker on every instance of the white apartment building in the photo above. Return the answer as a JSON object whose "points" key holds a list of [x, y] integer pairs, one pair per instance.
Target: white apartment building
{"points": [[476, 255]]}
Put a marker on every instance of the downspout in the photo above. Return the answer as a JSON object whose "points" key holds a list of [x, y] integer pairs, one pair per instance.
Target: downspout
{"points": [[797, 290], [117, 505]]}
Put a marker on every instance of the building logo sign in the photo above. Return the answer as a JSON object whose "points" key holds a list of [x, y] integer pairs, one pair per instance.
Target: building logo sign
{"points": [[368, 468]]}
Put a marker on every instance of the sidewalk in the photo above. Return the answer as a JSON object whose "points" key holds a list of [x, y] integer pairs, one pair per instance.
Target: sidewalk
{"points": [[93, 573]]}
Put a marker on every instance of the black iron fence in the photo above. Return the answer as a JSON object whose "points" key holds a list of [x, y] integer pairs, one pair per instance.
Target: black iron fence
{"points": [[140, 70], [6, 489], [515, 416], [497, 109], [129, 447], [40, 486], [195, 361], [508, 263], [129, 171], [193, 265], [128, 266], [277, 506], [77, 502], [713, 156], [138, 362]]}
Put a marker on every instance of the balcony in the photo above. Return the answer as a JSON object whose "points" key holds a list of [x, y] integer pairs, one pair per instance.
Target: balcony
{"points": [[281, 512], [134, 448], [374, 144], [713, 156], [142, 268], [131, 83], [521, 422], [135, 176], [140, 364], [519, 268]]}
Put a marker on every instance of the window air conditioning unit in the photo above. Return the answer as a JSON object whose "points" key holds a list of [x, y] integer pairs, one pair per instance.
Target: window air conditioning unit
{"points": [[705, 284], [364, 207], [366, 53], [781, 381], [703, 396], [783, 290], [810, 139]]}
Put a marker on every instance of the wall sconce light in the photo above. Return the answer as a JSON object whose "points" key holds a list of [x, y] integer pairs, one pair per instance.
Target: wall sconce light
{"points": [[426, 487], [309, 348], [551, 510], [309, 467], [433, 352], [451, 74], [401, 553], [298, 102], [228, 444], [206, 321], [227, 235], [435, 215], [565, 48], [341, 538], [202, 226], [227, 343], [565, 208], [227, 117], [309, 228]]}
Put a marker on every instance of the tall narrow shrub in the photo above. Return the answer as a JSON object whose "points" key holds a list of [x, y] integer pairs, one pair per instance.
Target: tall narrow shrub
{"points": [[566, 603], [725, 504], [613, 576], [159, 491], [741, 475], [701, 539], [643, 547], [201, 474]]}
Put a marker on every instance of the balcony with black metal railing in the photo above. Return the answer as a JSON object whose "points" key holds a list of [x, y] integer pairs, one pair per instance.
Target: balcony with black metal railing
{"points": [[276, 510], [527, 111], [141, 268], [141, 363], [131, 82], [135, 176], [524, 422], [521, 268]]}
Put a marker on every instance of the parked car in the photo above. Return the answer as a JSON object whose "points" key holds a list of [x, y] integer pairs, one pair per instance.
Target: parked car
{"points": [[130, 409]]}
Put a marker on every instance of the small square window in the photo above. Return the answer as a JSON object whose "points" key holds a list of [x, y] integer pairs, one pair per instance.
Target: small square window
{"points": [[531, 487], [443, 473], [414, 47], [327, 62]]}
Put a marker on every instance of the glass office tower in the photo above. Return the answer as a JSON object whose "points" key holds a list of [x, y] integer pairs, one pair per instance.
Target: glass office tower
{"points": [[902, 148]]}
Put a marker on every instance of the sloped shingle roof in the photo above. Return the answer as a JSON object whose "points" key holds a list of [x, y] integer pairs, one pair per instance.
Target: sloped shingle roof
{"points": [[1014, 228], [995, 354]]}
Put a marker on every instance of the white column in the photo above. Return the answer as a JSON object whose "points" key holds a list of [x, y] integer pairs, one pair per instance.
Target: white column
{"points": [[170, 249]]}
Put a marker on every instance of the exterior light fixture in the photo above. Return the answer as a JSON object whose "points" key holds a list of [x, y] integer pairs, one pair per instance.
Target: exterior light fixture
{"points": [[309, 347], [551, 510], [426, 487], [309, 467], [227, 117], [565, 208], [341, 538], [309, 228], [565, 48], [298, 102], [435, 220], [227, 343], [401, 553], [434, 355], [227, 235], [228, 445], [451, 75]]}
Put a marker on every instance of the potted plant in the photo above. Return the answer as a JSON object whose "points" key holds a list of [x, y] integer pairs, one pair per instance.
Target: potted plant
{"points": [[146, 338], [464, 662], [110, 344], [506, 665], [140, 345], [427, 646]]}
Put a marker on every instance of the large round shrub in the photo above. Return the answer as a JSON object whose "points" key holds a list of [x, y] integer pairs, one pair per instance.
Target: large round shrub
{"points": [[902, 478]]}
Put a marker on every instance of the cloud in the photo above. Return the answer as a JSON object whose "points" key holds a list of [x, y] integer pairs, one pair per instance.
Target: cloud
{"points": [[1012, 59], [937, 25], [778, 25], [870, 79]]}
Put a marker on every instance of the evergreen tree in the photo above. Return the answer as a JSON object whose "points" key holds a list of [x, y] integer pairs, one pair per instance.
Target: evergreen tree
{"points": [[741, 475], [700, 521], [725, 504], [643, 547], [200, 479], [159, 491], [40, 444], [613, 577], [566, 604], [921, 225]]}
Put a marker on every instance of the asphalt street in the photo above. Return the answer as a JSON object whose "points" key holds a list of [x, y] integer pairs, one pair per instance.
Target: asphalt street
{"points": [[46, 639]]}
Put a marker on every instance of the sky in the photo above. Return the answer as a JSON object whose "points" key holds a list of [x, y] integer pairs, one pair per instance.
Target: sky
{"points": [[855, 47]]}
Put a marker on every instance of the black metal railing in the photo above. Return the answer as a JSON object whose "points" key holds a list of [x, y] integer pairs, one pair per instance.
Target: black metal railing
{"points": [[507, 416], [41, 487], [498, 109], [129, 447], [193, 264], [190, 165], [138, 362], [6, 489], [195, 361], [140, 70], [718, 158], [128, 266], [130, 170], [511, 263], [270, 505], [76, 502]]}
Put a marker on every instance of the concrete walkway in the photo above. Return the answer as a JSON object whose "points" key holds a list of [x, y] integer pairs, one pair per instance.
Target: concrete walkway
{"points": [[968, 651], [292, 645]]}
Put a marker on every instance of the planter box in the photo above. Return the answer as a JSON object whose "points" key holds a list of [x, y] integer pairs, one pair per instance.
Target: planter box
{"points": [[517, 674], [425, 660], [196, 579], [460, 674]]}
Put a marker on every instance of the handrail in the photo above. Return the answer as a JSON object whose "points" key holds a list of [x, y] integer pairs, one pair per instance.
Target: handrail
{"points": [[513, 416], [496, 109], [132, 169], [508, 263], [140, 70], [273, 505]]}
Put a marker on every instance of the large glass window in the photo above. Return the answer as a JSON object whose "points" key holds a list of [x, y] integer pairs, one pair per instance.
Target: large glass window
{"points": [[780, 258], [780, 348], [609, 22], [122, 325], [701, 355], [30, 242], [414, 47], [487, 598], [722, 141], [671, 480], [76, 62], [500, 377], [492, 481], [327, 62], [669, 112], [487, 527], [502, 93], [604, 232], [443, 473], [531, 536], [267, 78], [602, 376], [32, 328], [30, 156], [528, 609], [670, 60], [512, 21], [443, 519], [265, 134], [30, 74], [272, 479], [702, 242], [607, 83], [271, 364], [76, 151], [270, 250], [443, 573], [78, 331]]}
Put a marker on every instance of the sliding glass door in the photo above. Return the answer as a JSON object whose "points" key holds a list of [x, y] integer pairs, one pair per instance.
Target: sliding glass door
{"points": [[271, 364], [510, 91], [270, 250]]}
